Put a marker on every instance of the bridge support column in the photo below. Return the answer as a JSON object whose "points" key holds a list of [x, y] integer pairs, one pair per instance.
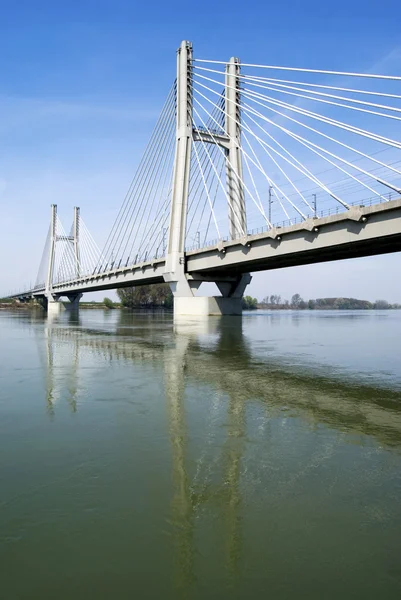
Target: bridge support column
{"points": [[234, 175], [175, 258], [229, 303], [54, 306], [203, 306]]}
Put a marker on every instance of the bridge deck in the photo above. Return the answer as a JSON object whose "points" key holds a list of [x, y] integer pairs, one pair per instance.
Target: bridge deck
{"points": [[360, 231]]}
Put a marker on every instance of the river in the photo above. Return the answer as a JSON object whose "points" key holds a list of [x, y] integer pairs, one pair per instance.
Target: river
{"points": [[219, 459]]}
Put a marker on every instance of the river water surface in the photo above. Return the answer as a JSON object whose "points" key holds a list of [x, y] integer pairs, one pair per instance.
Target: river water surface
{"points": [[232, 458]]}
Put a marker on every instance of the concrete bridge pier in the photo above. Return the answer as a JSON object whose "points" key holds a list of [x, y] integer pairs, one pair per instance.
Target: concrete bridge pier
{"points": [[54, 306], [229, 303]]}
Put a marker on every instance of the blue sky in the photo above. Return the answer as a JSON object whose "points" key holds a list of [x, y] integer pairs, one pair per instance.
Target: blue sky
{"points": [[82, 84]]}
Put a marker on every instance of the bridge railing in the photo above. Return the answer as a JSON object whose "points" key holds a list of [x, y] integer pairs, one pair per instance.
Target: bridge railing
{"points": [[297, 220]]}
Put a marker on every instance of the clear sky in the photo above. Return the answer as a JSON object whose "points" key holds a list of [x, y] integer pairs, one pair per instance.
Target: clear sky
{"points": [[82, 82]]}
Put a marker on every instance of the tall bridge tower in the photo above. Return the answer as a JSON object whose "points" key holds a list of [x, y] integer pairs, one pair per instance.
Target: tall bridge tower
{"points": [[184, 286]]}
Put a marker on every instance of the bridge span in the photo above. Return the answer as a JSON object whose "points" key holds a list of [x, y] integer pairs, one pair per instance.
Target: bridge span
{"points": [[203, 171]]}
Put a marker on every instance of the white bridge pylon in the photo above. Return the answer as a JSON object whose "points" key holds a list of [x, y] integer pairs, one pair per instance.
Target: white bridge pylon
{"points": [[249, 167]]}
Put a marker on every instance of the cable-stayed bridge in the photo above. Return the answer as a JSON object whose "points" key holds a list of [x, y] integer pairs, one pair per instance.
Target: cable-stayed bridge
{"points": [[249, 167]]}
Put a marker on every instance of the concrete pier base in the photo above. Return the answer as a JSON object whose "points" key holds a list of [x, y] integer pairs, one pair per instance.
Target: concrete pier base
{"points": [[206, 305], [54, 307]]}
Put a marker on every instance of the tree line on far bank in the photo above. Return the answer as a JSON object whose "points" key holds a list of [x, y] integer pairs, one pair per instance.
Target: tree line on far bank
{"points": [[298, 303], [160, 296]]}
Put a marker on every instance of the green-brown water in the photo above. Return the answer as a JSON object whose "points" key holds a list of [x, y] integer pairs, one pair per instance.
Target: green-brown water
{"points": [[236, 458]]}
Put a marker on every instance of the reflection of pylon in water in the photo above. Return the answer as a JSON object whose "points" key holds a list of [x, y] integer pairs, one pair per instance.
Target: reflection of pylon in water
{"points": [[182, 502], [57, 377], [186, 502]]}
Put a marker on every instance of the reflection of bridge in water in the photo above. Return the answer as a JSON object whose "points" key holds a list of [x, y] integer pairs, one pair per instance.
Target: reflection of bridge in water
{"points": [[234, 371], [215, 354]]}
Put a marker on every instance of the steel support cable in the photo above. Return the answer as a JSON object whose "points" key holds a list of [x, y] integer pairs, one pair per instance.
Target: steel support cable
{"points": [[64, 267], [135, 207], [141, 165], [153, 243], [234, 170], [369, 157], [70, 268], [62, 262], [61, 273], [207, 168], [142, 194], [127, 204], [284, 87], [78, 264], [150, 233], [262, 144], [146, 249], [214, 201], [160, 224], [195, 180], [298, 69], [259, 167], [41, 274], [43, 261], [323, 101], [252, 179], [347, 173], [248, 109], [307, 170], [316, 85], [359, 158], [304, 170], [329, 121], [62, 259], [165, 170], [58, 254], [95, 248], [139, 177], [250, 174], [306, 112], [258, 161], [91, 256], [342, 184], [134, 222], [150, 201], [284, 173], [208, 171], [236, 216], [69, 253], [267, 85], [303, 167], [271, 182], [197, 176], [207, 192]]}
